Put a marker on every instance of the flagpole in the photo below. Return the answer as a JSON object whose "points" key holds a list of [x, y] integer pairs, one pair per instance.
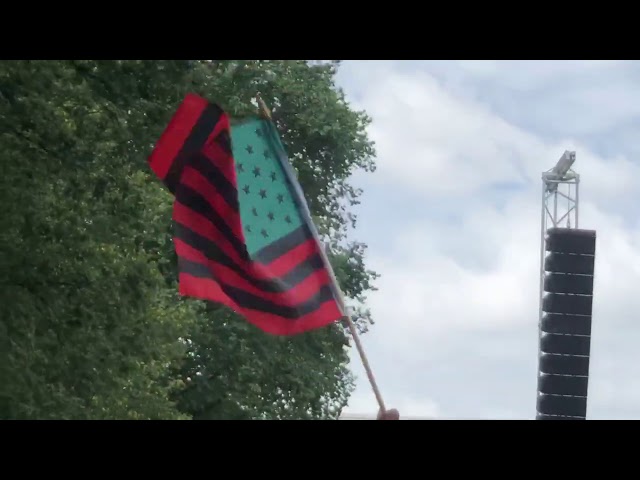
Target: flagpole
{"points": [[264, 110]]}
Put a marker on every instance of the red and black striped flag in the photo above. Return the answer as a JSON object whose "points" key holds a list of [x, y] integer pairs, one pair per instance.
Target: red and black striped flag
{"points": [[243, 233]]}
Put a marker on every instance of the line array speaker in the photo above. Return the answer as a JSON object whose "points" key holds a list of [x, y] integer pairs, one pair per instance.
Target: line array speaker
{"points": [[565, 329]]}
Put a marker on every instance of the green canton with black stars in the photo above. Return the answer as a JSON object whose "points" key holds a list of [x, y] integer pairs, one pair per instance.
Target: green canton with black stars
{"points": [[267, 206]]}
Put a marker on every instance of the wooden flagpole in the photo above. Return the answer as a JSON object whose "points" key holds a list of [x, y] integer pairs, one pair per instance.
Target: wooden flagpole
{"points": [[264, 110]]}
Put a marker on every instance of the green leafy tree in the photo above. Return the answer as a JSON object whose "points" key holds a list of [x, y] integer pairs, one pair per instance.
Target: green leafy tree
{"points": [[88, 324], [91, 325], [305, 376]]}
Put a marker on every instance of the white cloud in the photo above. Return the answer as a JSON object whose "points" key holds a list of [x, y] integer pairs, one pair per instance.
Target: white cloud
{"points": [[456, 310], [437, 143], [556, 98]]}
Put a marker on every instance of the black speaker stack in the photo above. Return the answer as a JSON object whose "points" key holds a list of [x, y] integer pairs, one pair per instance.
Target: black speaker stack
{"points": [[565, 329]]}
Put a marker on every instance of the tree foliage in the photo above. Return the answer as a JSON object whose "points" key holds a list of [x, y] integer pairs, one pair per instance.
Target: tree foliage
{"points": [[91, 325]]}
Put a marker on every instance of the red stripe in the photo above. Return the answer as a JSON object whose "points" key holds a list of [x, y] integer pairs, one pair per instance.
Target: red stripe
{"points": [[176, 133], [203, 227], [194, 180], [222, 159], [205, 289], [222, 126], [278, 268], [283, 264], [301, 292]]}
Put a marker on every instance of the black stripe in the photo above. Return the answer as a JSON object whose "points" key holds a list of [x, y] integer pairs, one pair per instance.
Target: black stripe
{"points": [[224, 141], [197, 203], [194, 142], [283, 245], [253, 302], [216, 178], [276, 285]]}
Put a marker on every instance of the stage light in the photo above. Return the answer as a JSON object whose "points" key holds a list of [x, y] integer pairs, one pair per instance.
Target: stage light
{"points": [[564, 164]]}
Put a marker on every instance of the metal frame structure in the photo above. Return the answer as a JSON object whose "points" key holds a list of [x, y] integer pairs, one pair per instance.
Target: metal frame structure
{"points": [[554, 210]]}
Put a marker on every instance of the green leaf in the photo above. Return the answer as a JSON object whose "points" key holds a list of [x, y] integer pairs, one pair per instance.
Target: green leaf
{"points": [[91, 325]]}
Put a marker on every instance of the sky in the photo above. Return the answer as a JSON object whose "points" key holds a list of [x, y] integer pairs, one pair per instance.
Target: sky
{"points": [[452, 220]]}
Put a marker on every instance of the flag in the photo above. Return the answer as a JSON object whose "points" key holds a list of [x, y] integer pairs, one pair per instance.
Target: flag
{"points": [[242, 229]]}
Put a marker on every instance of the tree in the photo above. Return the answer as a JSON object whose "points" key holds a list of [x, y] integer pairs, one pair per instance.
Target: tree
{"points": [[90, 322], [304, 376]]}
